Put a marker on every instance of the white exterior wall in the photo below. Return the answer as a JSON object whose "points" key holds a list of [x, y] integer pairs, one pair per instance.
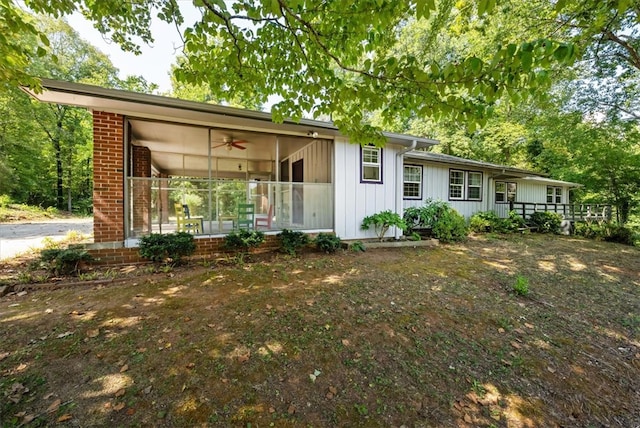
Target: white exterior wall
{"points": [[435, 186], [355, 200]]}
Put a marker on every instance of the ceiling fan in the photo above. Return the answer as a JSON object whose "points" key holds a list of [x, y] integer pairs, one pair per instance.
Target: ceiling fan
{"points": [[229, 143]]}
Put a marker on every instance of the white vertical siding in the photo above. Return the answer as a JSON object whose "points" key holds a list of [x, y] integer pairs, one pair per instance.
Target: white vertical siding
{"points": [[435, 186], [317, 161], [355, 200]]}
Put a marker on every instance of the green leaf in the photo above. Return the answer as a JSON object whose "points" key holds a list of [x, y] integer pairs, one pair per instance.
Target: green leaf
{"points": [[482, 6], [561, 53]]}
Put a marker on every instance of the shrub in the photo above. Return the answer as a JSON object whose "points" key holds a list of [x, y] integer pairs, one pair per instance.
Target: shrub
{"points": [[244, 239], [173, 246], [382, 221], [450, 226], [424, 217], [488, 221], [591, 231], [292, 240], [5, 201], [357, 247], [514, 222], [484, 221], [545, 221], [618, 233], [327, 242], [521, 286], [65, 261]]}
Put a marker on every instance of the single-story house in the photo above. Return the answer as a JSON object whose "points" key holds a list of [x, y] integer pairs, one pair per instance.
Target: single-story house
{"points": [[153, 155]]}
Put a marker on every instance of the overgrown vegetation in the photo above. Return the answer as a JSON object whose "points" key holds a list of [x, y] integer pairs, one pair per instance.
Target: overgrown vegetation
{"points": [[292, 241], [242, 241], [328, 242], [382, 221], [611, 232], [545, 221], [10, 211], [488, 221], [167, 248], [438, 217], [66, 261]]}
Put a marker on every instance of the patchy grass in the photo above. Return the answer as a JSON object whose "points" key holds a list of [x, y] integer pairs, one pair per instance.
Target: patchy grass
{"points": [[420, 337], [21, 212]]}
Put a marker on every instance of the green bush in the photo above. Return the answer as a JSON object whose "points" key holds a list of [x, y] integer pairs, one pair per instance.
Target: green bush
{"points": [[65, 261], [488, 221], [357, 247], [173, 246], [620, 234], [244, 239], [292, 240], [521, 286], [5, 201], [382, 221], [450, 226], [424, 217], [545, 221], [591, 231], [328, 242], [484, 221]]}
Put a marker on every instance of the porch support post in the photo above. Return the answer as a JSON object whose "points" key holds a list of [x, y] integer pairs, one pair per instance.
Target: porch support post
{"points": [[109, 177], [400, 183]]}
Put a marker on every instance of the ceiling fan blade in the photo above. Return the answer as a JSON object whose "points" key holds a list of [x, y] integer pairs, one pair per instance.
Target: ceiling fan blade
{"points": [[219, 145], [238, 146]]}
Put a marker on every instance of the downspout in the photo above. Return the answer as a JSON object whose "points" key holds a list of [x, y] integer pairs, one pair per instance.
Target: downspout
{"points": [[399, 182]]}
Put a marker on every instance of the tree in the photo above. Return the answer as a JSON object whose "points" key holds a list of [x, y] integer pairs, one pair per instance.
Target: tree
{"points": [[337, 60], [46, 150]]}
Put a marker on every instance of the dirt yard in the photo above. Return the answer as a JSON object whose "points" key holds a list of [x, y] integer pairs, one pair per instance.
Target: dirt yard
{"points": [[388, 337]]}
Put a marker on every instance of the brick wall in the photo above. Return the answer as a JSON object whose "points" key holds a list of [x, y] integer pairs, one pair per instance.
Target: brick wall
{"points": [[205, 248], [108, 177], [141, 190]]}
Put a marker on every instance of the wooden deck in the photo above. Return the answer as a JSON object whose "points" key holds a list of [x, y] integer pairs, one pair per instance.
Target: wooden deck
{"points": [[589, 213]]}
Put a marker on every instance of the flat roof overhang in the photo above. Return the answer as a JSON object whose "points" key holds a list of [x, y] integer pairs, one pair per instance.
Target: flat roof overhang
{"points": [[167, 109]]}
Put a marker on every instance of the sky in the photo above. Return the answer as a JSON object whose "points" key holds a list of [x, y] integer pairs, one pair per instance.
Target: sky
{"points": [[155, 61]]}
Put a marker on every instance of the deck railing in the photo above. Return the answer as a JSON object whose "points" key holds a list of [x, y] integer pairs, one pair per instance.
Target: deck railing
{"points": [[572, 212], [299, 206]]}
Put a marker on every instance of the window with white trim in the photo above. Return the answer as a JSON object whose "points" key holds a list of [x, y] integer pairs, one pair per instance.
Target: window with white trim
{"points": [[412, 185], [474, 186], [505, 192], [371, 165], [554, 195], [465, 185], [456, 184]]}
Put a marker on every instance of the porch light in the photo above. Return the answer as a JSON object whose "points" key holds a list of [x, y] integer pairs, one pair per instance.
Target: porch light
{"points": [[312, 134]]}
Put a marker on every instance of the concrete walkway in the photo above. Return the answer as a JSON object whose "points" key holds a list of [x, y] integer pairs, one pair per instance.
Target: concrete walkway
{"points": [[17, 238]]}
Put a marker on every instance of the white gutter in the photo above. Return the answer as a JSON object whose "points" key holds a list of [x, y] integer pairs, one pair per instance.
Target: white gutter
{"points": [[400, 181]]}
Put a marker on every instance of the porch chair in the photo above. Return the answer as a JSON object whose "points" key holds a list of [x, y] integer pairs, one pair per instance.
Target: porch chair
{"points": [[246, 214], [187, 223], [265, 221]]}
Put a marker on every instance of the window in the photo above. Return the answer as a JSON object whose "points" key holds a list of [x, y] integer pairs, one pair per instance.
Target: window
{"points": [[554, 195], [456, 184], [465, 185], [505, 192], [371, 168], [474, 186], [412, 182]]}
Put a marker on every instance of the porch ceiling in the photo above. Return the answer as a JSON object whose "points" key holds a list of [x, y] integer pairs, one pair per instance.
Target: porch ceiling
{"points": [[182, 149]]}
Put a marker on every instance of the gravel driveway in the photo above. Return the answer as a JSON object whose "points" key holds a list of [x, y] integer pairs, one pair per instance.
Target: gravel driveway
{"points": [[16, 238]]}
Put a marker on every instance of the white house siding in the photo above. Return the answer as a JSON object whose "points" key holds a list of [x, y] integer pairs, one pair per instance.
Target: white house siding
{"points": [[435, 186], [355, 200], [317, 199]]}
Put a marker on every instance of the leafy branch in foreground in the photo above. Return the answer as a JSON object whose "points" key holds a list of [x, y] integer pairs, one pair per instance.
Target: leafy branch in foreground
{"points": [[341, 61]]}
